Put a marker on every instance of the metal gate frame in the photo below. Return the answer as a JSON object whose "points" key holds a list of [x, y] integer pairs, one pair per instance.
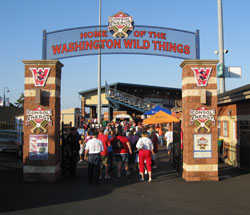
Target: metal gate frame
{"points": [[177, 148], [11, 146]]}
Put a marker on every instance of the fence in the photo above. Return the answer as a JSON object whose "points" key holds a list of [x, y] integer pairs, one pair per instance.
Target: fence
{"points": [[11, 146]]}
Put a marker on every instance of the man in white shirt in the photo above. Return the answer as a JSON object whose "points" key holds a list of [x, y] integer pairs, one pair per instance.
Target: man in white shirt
{"points": [[169, 139], [92, 153]]}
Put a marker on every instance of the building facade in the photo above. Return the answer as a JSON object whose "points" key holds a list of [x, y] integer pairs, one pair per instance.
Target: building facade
{"points": [[133, 98], [234, 126]]}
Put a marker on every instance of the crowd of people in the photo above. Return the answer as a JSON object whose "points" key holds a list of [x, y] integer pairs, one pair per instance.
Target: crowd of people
{"points": [[119, 144]]}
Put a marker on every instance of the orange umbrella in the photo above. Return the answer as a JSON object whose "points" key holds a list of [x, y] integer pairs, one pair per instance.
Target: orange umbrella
{"points": [[160, 117]]}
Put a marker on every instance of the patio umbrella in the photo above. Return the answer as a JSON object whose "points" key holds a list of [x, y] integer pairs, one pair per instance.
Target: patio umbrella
{"points": [[160, 117]]}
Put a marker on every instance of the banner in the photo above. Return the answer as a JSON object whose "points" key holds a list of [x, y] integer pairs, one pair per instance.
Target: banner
{"points": [[146, 40]]}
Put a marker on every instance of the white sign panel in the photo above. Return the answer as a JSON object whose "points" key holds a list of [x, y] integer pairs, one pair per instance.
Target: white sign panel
{"points": [[233, 72], [202, 146]]}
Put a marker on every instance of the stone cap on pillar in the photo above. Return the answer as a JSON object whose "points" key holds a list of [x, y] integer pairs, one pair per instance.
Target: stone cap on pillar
{"points": [[43, 62], [198, 62]]}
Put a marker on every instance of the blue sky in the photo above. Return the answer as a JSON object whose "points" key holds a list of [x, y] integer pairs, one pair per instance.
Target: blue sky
{"points": [[22, 23]]}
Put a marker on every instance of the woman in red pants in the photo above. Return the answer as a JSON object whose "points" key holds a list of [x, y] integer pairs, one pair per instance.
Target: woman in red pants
{"points": [[145, 147]]}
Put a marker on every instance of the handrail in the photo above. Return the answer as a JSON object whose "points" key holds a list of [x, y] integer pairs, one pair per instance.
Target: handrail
{"points": [[127, 98]]}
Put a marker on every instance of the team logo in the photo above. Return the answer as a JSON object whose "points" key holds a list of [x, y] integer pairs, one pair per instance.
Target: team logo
{"points": [[202, 75], [120, 24], [40, 76], [202, 143], [202, 118], [39, 118]]}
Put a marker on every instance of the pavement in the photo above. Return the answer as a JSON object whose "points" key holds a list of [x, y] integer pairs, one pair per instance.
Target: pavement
{"points": [[168, 193]]}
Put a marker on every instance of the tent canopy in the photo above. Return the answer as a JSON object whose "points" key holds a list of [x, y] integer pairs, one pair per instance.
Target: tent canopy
{"points": [[160, 117], [123, 116], [157, 109]]}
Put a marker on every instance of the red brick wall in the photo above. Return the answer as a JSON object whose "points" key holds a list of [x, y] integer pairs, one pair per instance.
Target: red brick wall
{"points": [[193, 169], [49, 101]]}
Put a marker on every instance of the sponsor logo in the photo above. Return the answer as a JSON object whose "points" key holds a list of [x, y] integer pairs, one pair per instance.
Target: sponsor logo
{"points": [[120, 24], [40, 76], [202, 143], [202, 118], [202, 76], [39, 118]]}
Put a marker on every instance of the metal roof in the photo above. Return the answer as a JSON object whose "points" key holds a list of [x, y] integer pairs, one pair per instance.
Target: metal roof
{"points": [[235, 91], [129, 85]]}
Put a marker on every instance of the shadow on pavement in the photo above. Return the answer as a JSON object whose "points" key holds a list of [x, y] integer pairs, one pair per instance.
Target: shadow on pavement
{"points": [[19, 195], [226, 171]]}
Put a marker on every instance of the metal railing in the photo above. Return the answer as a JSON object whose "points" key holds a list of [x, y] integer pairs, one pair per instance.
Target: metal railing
{"points": [[128, 99], [11, 146]]}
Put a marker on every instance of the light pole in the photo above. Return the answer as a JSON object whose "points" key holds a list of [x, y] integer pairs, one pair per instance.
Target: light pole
{"points": [[222, 87], [4, 94], [99, 105]]}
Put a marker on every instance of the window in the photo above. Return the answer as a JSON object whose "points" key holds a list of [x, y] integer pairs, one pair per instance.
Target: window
{"points": [[234, 131], [225, 128], [219, 127]]}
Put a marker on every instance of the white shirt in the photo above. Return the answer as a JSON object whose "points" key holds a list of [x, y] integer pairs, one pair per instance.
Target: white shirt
{"points": [[94, 146], [145, 143], [169, 136]]}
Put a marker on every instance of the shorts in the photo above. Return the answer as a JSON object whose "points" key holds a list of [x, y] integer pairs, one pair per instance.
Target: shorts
{"points": [[121, 157], [169, 145], [104, 160]]}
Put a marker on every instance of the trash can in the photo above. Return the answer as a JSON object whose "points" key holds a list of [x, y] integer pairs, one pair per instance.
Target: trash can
{"points": [[220, 145]]}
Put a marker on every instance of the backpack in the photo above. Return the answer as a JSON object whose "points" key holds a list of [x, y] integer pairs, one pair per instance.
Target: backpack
{"points": [[117, 144]]}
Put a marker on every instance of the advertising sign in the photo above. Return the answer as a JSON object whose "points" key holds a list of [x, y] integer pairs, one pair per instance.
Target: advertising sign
{"points": [[39, 118], [202, 146], [120, 24], [202, 117], [121, 37], [38, 149]]}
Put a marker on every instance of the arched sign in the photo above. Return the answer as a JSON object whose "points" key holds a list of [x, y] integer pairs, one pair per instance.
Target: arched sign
{"points": [[121, 37]]}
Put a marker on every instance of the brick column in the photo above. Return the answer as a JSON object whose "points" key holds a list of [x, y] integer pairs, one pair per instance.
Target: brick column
{"points": [[93, 113], [42, 105], [83, 106], [199, 104]]}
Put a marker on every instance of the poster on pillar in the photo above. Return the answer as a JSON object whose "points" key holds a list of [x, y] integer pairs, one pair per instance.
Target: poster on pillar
{"points": [[202, 146], [202, 118], [39, 118], [38, 149]]}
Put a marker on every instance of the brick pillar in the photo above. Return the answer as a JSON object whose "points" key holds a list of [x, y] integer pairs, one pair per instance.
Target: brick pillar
{"points": [[42, 105], [93, 113], [83, 106], [199, 104]]}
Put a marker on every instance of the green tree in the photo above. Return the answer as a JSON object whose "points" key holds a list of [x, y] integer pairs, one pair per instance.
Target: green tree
{"points": [[20, 101]]}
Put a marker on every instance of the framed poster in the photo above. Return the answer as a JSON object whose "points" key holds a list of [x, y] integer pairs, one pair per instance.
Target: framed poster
{"points": [[202, 145], [38, 149]]}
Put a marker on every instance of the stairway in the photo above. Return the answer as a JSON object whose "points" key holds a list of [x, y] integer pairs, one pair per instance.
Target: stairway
{"points": [[115, 96]]}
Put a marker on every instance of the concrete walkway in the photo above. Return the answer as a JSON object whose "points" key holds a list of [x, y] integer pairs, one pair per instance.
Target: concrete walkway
{"points": [[167, 194]]}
